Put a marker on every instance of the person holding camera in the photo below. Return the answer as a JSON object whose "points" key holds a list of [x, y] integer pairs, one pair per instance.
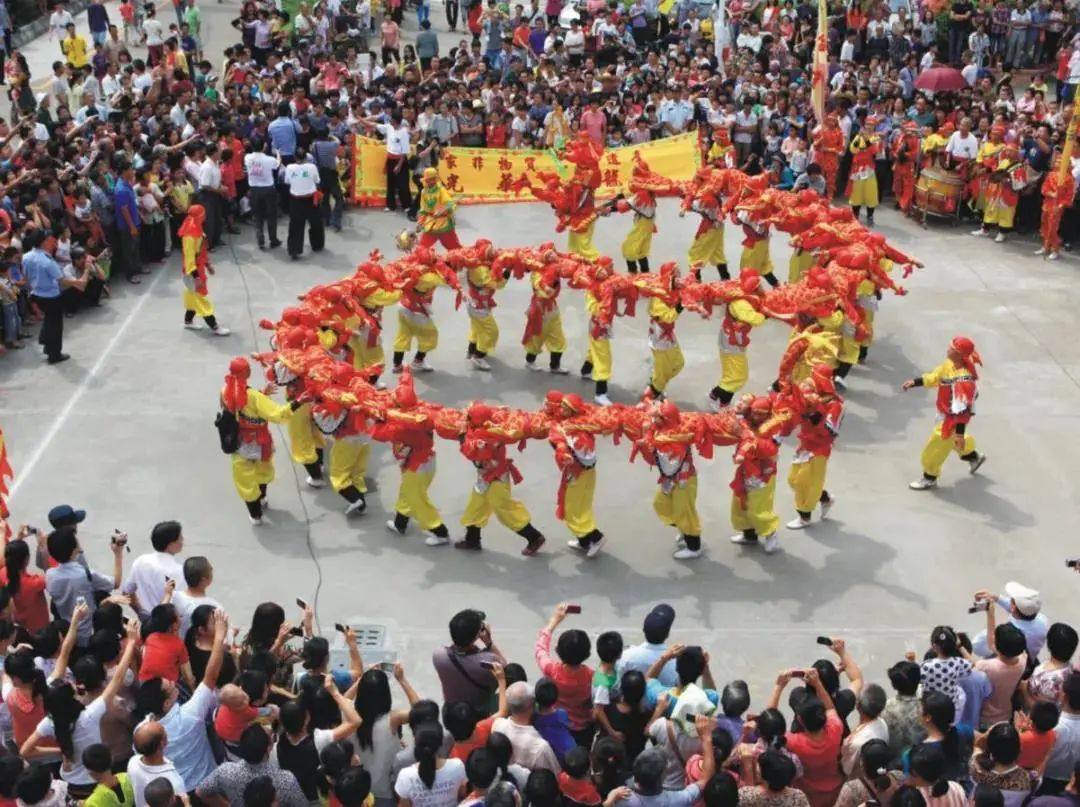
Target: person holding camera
{"points": [[464, 665], [72, 583], [150, 573]]}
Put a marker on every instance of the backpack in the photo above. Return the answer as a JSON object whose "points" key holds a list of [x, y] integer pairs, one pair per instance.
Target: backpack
{"points": [[228, 429]]}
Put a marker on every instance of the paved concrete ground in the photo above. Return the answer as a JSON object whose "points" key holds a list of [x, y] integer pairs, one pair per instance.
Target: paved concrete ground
{"points": [[125, 430]]}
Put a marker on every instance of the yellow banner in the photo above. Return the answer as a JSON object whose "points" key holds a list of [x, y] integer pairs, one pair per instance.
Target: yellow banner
{"points": [[480, 175]]}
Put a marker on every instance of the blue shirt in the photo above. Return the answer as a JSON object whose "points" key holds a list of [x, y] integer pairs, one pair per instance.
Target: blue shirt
{"points": [[283, 133], [641, 656], [124, 197], [185, 727], [977, 687], [44, 274], [555, 728], [69, 581]]}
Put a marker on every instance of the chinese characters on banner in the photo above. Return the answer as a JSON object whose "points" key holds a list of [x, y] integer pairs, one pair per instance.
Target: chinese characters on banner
{"points": [[478, 175]]}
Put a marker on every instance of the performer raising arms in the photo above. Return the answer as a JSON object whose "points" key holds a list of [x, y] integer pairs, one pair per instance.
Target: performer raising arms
{"points": [[195, 268], [955, 379]]}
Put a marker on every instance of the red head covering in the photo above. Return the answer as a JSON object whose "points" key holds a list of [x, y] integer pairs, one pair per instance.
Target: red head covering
{"points": [[234, 396], [479, 413], [404, 392], [749, 280], [822, 378], [669, 413], [969, 356], [761, 405], [192, 226], [572, 402]]}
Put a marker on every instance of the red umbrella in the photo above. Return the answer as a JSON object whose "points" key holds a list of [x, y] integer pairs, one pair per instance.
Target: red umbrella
{"points": [[941, 79]]}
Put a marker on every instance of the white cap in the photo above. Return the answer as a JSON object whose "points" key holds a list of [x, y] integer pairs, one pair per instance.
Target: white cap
{"points": [[1027, 600]]}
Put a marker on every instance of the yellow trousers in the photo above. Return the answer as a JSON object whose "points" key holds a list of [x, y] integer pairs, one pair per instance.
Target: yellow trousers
{"points": [[600, 357], [678, 509], [666, 364], [801, 261], [364, 356], [247, 475], [199, 303], [426, 336], [304, 438], [849, 350], [638, 242], [937, 451], [581, 244], [497, 500], [550, 338], [413, 500], [758, 514], [864, 192], [1000, 214], [734, 371], [757, 257], [708, 248], [484, 332], [348, 464], [578, 505], [807, 480]]}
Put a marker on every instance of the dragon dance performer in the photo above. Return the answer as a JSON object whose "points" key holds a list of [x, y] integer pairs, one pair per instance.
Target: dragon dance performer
{"points": [[862, 186], [1006, 180], [828, 142], [374, 293], [955, 379], [351, 449], [821, 414], [581, 212], [414, 317], [642, 189], [598, 362], [754, 214], [740, 316], [252, 462], [408, 426], [543, 322], [485, 447], [667, 355], [708, 244], [1057, 195], [481, 282], [753, 487], [905, 156], [668, 446], [985, 159], [721, 153], [435, 216], [574, 444], [195, 267]]}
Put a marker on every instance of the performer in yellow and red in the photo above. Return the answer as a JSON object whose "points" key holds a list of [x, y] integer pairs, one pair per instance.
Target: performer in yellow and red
{"points": [[820, 416], [585, 156], [955, 379], [1058, 192], [753, 213], [408, 426], [481, 283], [598, 361], [415, 321], [905, 157], [435, 216], [708, 244], [741, 315], [575, 456], [350, 451], [862, 183], [753, 489], [195, 267], [543, 322], [1006, 180], [374, 293], [667, 444], [667, 355], [828, 141], [643, 188], [252, 461], [492, 492], [985, 160]]}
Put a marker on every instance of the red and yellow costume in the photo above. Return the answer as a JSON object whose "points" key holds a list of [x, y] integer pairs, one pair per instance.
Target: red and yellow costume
{"points": [[905, 156], [643, 189], [1007, 178], [985, 161], [374, 292], [1057, 195], [753, 488], [435, 215], [195, 266], [828, 141], [820, 416], [349, 453], [415, 322], [664, 308], [862, 187], [543, 322], [481, 282]]}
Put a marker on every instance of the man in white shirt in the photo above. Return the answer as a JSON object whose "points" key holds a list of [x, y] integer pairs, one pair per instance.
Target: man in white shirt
{"points": [[155, 37], [146, 582], [211, 195], [262, 193], [750, 39], [198, 575], [178, 113], [847, 50], [149, 762], [531, 750], [59, 21], [962, 145], [302, 177], [396, 133]]}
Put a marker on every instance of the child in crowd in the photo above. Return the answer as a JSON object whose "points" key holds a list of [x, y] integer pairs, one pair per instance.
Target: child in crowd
{"points": [[1037, 735], [551, 721], [575, 784]]}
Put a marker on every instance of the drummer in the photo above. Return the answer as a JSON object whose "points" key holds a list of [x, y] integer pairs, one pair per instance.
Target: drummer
{"points": [[961, 148], [933, 145], [985, 159]]}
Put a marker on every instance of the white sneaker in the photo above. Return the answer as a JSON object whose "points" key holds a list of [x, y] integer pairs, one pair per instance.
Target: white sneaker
{"points": [[480, 363], [390, 525], [359, 506], [575, 545], [436, 540], [558, 371], [595, 547], [827, 506], [586, 376], [980, 233], [380, 384], [680, 542], [421, 366], [255, 522], [714, 404], [312, 482], [922, 483], [220, 330], [772, 543], [531, 365], [839, 383], [1053, 256], [396, 369], [193, 326], [999, 238], [975, 464], [798, 523], [603, 400], [1040, 251], [742, 540], [687, 554]]}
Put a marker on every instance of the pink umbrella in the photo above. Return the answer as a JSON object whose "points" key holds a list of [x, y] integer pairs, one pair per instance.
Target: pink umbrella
{"points": [[941, 79]]}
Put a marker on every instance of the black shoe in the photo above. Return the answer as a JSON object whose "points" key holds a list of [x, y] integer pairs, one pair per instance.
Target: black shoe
{"points": [[262, 246], [274, 244], [294, 255], [58, 358], [134, 280]]}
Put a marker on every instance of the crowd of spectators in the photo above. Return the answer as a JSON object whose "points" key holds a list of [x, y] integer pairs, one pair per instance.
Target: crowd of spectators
{"points": [[136, 687]]}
